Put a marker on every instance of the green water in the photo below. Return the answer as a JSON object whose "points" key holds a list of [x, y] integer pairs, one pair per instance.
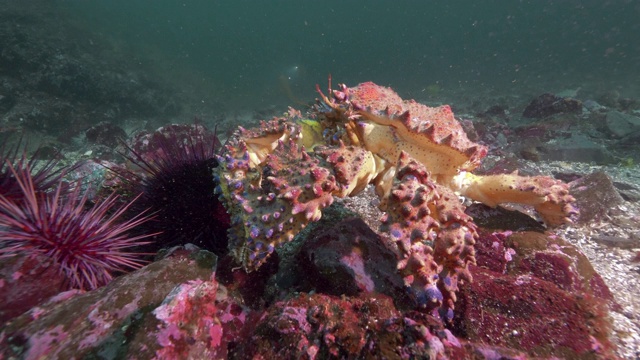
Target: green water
{"points": [[258, 53]]}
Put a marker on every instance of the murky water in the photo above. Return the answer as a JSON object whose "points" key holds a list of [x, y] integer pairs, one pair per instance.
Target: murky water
{"points": [[252, 53]]}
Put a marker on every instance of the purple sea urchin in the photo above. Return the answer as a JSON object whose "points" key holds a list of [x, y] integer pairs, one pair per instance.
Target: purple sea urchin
{"points": [[178, 185], [87, 246]]}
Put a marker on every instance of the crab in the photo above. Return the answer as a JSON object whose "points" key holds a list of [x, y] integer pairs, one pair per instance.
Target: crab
{"points": [[278, 177]]}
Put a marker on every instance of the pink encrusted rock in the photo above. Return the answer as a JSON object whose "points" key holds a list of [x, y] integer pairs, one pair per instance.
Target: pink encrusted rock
{"points": [[545, 301], [189, 326], [320, 326], [531, 315], [197, 320], [491, 252], [101, 320], [553, 259], [26, 282]]}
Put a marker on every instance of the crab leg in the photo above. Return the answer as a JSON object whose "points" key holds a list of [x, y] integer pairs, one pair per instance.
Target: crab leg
{"points": [[549, 197], [434, 236]]}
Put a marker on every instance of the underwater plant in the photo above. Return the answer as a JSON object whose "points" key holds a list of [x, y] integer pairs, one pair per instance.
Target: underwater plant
{"points": [[88, 245]]}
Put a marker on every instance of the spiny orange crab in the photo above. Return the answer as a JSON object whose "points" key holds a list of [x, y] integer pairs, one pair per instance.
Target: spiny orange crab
{"points": [[278, 177]]}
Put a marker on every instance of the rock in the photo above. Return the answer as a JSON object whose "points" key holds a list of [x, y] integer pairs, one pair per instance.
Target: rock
{"points": [[251, 287], [613, 99], [536, 294], [491, 252], [555, 268], [536, 254], [543, 131], [628, 144], [627, 191], [576, 148], [610, 98], [26, 282], [105, 133], [593, 106], [620, 125], [594, 193], [503, 165], [548, 104], [553, 259], [197, 320], [544, 300], [349, 258], [555, 139], [320, 326], [499, 218], [531, 315], [496, 111], [103, 321], [629, 104]]}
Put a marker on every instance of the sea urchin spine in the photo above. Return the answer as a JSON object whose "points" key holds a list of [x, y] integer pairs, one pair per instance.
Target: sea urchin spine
{"points": [[88, 246], [178, 185], [45, 178]]}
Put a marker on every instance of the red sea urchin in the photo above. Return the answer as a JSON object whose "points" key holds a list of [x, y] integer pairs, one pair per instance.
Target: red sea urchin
{"points": [[87, 246], [178, 185], [44, 178]]}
